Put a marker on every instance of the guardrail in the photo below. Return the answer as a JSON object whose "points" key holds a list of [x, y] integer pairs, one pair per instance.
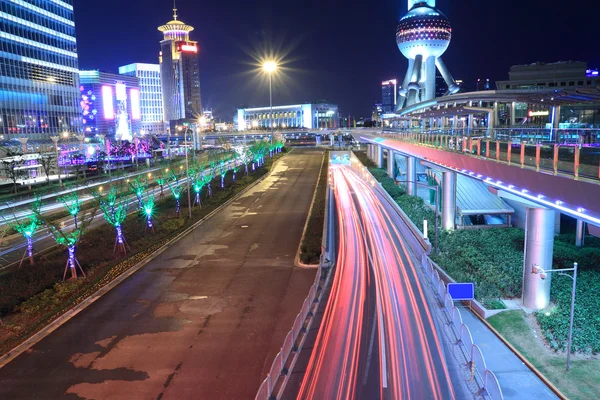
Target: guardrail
{"points": [[577, 160], [273, 385], [489, 388]]}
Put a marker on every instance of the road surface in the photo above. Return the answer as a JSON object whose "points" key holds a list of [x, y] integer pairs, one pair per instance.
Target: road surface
{"points": [[378, 338], [203, 320]]}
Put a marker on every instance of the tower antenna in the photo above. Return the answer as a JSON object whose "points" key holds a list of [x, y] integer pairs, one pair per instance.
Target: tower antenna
{"points": [[174, 11]]}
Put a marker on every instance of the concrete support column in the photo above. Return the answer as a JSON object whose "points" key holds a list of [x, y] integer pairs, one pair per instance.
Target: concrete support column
{"points": [[539, 243], [580, 233], [411, 176], [448, 200], [391, 170], [513, 117], [557, 223], [470, 123], [430, 78], [370, 152], [379, 156]]}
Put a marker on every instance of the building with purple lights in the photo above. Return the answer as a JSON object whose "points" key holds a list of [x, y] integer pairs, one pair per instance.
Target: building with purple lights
{"points": [[179, 74], [109, 104]]}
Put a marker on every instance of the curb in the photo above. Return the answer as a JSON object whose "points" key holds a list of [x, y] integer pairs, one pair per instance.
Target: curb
{"points": [[524, 360], [297, 261], [65, 317]]}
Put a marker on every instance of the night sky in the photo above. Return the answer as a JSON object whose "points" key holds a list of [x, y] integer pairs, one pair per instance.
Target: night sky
{"points": [[332, 49]]}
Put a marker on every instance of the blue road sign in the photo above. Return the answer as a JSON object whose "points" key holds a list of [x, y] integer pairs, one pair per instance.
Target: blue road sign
{"points": [[461, 291]]}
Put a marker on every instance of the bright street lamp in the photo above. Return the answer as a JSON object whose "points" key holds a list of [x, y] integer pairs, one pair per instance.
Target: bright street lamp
{"points": [[270, 67]]}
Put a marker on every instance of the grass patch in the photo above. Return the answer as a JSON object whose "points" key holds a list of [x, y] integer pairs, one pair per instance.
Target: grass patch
{"points": [[33, 296], [310, 249], [581, 382]]}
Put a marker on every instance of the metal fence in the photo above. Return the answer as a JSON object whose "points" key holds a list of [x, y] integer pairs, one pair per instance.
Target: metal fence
{"points": [[286, 358], [489, 388], [274, 384]]}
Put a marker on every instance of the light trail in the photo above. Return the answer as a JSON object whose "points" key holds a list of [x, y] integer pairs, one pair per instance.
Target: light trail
{"points": [[411, 359]]}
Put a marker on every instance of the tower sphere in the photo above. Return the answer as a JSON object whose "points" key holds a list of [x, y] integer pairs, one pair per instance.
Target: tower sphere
{"points": [[423, 30]]}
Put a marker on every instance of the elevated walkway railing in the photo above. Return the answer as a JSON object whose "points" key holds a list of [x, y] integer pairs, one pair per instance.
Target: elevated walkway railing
{"points": [[576, 160], [276, 380]]}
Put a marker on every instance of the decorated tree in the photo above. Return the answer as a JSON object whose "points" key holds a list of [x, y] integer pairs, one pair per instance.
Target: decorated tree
{"points": [[148, 211], [161, 180], [197, 181], [70, 236], [223, 167], [27, 227], [114, 208], [245, 156], [138, 187], [176, 190]]}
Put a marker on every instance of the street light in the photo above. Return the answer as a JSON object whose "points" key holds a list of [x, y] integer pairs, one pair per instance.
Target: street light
{"points": [[187, 176], [270, 67], [543, 273]]}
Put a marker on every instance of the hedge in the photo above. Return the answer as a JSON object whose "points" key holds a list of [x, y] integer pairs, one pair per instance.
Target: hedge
{"points": [[310, 249]]}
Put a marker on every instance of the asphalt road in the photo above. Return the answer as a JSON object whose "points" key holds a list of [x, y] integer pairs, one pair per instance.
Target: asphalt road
{"points": [[203, 320], [378, 338]]}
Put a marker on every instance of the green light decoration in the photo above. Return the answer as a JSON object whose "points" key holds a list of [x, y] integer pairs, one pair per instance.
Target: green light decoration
{"points": [[161, 180], [138, 187], [148, 211], [27, 227], [114, 208], [73, 205], [67, 236], [198, 184], [176, 190]]}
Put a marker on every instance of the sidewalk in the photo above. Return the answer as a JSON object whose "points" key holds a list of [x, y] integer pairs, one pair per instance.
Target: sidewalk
{"points": [[516, 379]]}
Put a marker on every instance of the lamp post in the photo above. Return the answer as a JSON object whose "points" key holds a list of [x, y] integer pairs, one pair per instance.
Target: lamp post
{"points": [[270, 67], [187, 176], [542, 272]]}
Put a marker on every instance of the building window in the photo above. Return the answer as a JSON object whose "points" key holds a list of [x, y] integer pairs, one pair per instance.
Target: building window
{"points": [[589, 82], [552, 84], [571, 83], [563, 84], [580, 83]]}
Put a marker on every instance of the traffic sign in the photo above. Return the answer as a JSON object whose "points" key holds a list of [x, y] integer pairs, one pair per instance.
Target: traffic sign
{"points": [[461, 291]]}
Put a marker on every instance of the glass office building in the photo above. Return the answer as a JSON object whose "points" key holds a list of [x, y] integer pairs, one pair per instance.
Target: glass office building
{"points": [[39, 81], [151, 101]]}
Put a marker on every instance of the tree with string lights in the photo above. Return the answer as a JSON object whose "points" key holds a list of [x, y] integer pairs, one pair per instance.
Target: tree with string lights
{"points": [[176, 190], [70, 237], [138, 187], [27, 227], [114, 208]]}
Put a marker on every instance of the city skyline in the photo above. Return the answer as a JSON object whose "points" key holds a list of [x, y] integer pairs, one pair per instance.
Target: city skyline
{"points": [[319, 48]]}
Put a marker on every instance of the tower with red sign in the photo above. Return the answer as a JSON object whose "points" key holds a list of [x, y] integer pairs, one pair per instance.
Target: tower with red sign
{"points": [[180, 73]]}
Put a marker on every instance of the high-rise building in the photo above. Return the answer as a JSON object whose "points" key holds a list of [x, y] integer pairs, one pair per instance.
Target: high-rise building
{"points": [[39, 81], [388, 96], [151, 101], [110, 104], [179, 73]]}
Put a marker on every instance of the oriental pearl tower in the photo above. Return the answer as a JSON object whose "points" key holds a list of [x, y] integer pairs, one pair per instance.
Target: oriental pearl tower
{"points": [[423, 35]]}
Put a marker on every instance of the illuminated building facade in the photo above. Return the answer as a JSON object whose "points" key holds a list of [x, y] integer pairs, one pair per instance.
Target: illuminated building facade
{"points": [[180, 74], [151, 101], [559, 75], [423, 35], [388, 96], [110, 104], [309, 116], [38, 69]]}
